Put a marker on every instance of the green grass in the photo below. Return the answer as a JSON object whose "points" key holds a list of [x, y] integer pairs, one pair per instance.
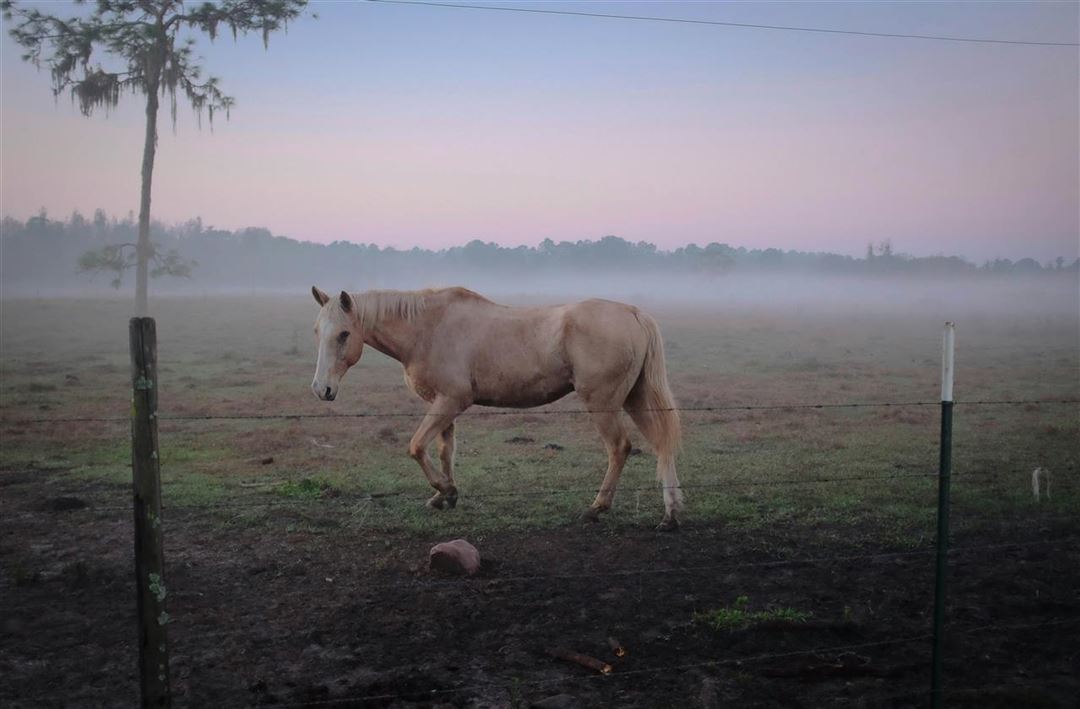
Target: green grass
{"points": [[236, 355], [304, 489], [739, 616]]}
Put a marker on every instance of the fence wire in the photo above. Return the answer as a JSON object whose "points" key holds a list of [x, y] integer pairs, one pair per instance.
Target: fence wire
{"points": [[535, 412], [697, 569], [510, 687], [360, 498], [417, 583], [705, 664], [489, 581], [179, 622]]}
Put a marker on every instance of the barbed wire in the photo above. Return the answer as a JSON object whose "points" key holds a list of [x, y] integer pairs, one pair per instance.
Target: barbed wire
{"points": [[537, 412], [366, 499], [614, 676], [516, 684], [428, 583], [363, 498], [617, 674], [421, 584], [417, 583]]}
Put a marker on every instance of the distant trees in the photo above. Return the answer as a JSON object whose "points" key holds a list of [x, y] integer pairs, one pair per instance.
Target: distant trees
{"points": [[45, 252], [142, 40]]}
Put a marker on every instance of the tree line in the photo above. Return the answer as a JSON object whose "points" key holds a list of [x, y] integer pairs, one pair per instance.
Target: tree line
{"points": [[65, 255]]}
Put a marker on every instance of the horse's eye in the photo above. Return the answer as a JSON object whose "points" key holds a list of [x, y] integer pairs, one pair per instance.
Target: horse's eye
{"points": [[343, 336]]}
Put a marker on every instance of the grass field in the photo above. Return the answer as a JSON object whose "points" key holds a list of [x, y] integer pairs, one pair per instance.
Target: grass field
{"points": [[783, 479], [255, 356]]}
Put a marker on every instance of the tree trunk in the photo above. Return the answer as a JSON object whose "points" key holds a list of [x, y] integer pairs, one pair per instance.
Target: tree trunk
{"points": [[143, 248]]}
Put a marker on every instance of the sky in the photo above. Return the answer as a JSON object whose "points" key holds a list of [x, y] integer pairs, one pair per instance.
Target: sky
{"points": [[423, 126]]}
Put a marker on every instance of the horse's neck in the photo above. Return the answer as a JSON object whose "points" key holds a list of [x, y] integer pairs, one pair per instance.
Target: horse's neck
{"points": [[401, 329], [394, 337]]}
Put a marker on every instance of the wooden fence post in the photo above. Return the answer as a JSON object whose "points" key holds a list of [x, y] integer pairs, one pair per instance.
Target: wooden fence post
{"points": [[146, 479], [937, 692]]}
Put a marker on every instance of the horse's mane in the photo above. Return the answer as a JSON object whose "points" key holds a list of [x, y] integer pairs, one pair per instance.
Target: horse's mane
{"points": [[374, 306]]}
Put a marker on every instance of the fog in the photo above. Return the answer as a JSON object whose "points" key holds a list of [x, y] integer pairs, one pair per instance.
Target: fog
{"points": [[41, 258], [1056, 296]]}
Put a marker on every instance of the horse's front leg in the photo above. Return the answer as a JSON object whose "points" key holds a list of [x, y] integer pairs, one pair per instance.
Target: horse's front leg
{"points": [[438, 418]]}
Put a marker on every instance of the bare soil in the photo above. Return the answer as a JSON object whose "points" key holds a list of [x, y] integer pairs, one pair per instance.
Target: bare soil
{"points": [[343, 617]]}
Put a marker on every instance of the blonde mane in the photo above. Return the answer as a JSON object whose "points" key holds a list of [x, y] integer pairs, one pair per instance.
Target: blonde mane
{"points": [[374, 306]]}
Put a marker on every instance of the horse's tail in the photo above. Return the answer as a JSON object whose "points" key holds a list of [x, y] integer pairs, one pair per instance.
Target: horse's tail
{"points": [[652, 407]]}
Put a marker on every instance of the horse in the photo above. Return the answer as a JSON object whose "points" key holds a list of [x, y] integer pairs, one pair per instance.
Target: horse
{"points": [[458, 349]]}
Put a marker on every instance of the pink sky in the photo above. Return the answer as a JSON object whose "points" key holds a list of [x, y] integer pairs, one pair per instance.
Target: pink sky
{"points": [[395, 126]]}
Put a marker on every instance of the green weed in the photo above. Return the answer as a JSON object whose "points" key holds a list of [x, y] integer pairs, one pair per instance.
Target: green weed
{"points": [[738, 616], [305, 488]]}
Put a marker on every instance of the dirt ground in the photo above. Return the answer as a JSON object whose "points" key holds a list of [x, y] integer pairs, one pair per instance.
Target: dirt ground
{"points": [[261, 616]]}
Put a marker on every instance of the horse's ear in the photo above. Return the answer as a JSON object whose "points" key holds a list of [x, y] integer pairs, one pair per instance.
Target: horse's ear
{"points": [[320, 297], [346, 302]]}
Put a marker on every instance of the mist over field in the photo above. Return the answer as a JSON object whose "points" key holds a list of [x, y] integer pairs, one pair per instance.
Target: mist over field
{"points": [[45, 258]]}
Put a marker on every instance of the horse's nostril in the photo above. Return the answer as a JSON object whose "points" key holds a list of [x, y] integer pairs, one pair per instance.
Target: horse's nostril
{"points": [[328, 394]]}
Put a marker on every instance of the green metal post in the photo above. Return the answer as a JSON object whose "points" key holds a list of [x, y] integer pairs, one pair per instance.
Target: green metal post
{"points": [[937, 696]]}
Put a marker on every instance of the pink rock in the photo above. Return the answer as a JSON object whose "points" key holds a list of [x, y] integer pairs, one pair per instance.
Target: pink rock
{"points": [[456, 558]]}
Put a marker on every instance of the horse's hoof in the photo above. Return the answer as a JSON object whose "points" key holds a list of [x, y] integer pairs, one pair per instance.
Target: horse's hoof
{"points": [[670, 524], [591, 515], [443, 500]]}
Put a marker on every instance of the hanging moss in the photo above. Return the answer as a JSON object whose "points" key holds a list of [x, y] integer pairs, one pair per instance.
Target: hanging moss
{"points": [[124, 33]]}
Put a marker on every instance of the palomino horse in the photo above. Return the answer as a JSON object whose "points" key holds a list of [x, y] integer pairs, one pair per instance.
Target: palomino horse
{"points": [[459, 349]]}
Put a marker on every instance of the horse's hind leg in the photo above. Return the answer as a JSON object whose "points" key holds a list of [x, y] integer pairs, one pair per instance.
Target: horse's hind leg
{"points": [[445, 445], [617, 443], [650, 423]]}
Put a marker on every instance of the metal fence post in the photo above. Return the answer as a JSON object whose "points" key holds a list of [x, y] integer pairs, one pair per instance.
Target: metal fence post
{"points": [[146, 485], [937, 696]]}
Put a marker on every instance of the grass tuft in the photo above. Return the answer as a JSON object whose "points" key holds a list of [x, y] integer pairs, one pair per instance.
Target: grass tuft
{"points": [[305, 489], [737, 616]]}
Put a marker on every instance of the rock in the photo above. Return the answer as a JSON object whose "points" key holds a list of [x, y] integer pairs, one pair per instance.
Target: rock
{"points": [[557, 701], [635, 451], [267, 460], [552, 447], [520, 439], [456, 558]]}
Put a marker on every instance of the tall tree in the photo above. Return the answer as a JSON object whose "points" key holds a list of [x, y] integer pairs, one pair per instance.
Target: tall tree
{"points": [[151, 53]]}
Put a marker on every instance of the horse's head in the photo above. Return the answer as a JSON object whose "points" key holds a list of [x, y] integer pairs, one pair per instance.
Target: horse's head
{"points": [[341, 342]]}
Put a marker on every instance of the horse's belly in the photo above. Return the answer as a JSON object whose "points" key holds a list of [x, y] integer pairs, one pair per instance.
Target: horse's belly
{"points": [[524, 393]]}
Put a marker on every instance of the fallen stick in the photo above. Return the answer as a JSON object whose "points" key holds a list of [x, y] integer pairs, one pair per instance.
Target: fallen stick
{"points": [[584, 660], [616, 647]]}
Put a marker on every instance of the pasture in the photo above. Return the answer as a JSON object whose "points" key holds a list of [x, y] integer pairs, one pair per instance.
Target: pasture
{"points": [[296, 548]]}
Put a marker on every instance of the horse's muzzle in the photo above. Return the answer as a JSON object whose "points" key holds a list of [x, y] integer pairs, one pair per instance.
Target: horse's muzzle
{"points": [[323, 393]]}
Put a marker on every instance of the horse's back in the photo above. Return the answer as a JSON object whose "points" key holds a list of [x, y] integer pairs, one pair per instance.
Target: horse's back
{"points": [[529, 356], [510, 356]]}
